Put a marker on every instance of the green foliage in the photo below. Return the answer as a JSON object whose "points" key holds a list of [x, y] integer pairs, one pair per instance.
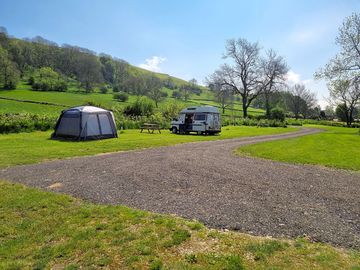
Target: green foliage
{"points": [[171, 109], [253, 122], [277, 114], [341, 112], [142, 106], [103, 89], [9, 74], [121, 96], [176, 94], [46, 79], [13, 123]]}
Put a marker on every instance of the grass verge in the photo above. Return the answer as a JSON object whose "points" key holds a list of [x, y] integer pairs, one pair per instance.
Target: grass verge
{"points": [[43, 230], [26, 148], [337, 147]]}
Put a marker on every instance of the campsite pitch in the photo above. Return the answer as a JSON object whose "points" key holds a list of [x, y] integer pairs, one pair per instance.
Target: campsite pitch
{"points": [[207, 182]]}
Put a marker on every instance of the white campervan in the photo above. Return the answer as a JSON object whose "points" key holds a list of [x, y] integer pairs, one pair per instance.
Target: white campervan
{"points": [[202, 120]]}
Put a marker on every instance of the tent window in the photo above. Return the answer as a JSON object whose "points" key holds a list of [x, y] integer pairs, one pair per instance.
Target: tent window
{"points": [[69, 125], [105, 124], [92, 125]]}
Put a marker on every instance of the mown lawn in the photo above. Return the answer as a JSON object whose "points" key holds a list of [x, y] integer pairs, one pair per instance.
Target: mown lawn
{"points": [[25, 148], [43, 230], [337, 147]]}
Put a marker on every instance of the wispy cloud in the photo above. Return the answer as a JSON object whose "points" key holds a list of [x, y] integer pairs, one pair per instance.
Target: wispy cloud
{"points": [[153, 63]]}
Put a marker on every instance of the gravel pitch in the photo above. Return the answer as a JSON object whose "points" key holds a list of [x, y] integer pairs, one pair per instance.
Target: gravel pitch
{"points": [[207, 182]]}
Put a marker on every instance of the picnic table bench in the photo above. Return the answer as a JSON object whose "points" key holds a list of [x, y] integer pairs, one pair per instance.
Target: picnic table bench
{"points": [[150, 127]]}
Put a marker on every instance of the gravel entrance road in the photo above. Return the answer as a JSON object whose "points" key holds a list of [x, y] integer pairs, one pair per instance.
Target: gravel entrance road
{"points": [[205, 181]]}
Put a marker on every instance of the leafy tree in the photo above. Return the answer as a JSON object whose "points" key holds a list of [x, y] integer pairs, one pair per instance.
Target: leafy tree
{"points": [[9, 74], [185, 91], [46, 79], [142, 106], [153, 88], [347, 95], [88, 71]]}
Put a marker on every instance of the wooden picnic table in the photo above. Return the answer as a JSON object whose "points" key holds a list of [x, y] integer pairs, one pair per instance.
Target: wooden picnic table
{"points": [[150, 127]]}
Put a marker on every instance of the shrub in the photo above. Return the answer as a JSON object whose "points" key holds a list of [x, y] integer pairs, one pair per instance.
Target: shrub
{"points": [[171, 109], [25, 122], [103, 89], [121, 96], [277, 114], [176, 94], [142, 106], [46, 79]]}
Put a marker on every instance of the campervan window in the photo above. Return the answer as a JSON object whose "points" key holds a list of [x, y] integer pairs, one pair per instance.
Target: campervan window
{"points": [[200, 117]]}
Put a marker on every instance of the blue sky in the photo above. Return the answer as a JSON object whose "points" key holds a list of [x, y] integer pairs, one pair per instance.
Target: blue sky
{"points": [[186, 38]]}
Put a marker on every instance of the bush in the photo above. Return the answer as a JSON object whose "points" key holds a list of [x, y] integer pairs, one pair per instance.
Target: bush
{"points": [[277, 114], [176, 94], [103, 89], [143, 106], [171, 109], [46, 79], [25, 122], [121, 96]]}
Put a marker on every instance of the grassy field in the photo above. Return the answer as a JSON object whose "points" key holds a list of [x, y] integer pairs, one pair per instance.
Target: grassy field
{"points": [[336, 147], [25, 148], [43, 230], [75, 98]]}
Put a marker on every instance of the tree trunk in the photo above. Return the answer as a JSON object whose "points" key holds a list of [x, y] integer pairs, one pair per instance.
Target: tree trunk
{"points": [[244, 101], [267, 106]]}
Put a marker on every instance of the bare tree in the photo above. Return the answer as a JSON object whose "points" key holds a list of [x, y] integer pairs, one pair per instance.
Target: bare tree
{"points": [[243, 75], [346, 64], [301, 100], [223, 95], [343, 71], [274, 70], [347, 94]]}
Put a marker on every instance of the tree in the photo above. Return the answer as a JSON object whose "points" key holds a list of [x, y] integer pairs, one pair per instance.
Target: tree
{"points": [[185, 91], [347, 94], [274, 69], [9, 74], [46, 79], [343, 71], [153, 88], [88, 71], [301, 100], [346, 64], [223, 95], [243, 75]]}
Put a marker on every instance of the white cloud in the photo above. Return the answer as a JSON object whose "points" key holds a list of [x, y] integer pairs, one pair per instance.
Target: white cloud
{"points": [[292, 77], [153, 63]]}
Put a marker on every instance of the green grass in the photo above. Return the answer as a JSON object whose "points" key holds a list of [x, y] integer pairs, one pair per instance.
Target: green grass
{"points": [[43, 230], [75, 98], [25, 148], [337, 147]]}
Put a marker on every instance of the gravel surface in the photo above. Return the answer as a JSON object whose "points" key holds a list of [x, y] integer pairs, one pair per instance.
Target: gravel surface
{"points": [[207, 182]]}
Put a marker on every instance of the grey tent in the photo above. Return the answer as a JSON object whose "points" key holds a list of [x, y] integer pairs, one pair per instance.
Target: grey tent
{"points": [[85, 123]]}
